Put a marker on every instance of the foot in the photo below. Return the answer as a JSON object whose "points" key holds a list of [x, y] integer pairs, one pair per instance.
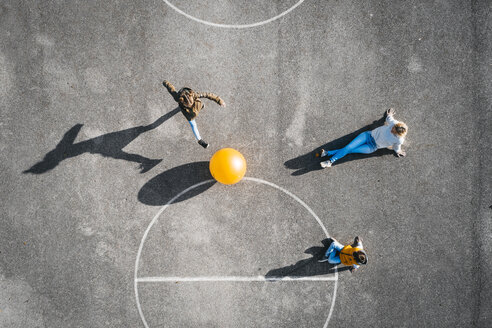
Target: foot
{"points": [[202, 143], [323, 259], [326, 164], [322, 153]]}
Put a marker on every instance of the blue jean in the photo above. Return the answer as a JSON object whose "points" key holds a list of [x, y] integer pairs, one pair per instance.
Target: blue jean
{"points": [[194, 128], [333, 252], [362, 144]]}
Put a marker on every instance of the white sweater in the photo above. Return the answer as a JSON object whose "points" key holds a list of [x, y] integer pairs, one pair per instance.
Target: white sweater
{"points": [[384, 138]]}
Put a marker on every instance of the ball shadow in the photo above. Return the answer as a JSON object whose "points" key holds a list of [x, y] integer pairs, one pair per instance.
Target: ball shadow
{"points": [[163, 187]]}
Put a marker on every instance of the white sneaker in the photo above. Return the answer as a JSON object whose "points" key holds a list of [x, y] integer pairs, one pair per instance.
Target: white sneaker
{"points": [[325, 164]]}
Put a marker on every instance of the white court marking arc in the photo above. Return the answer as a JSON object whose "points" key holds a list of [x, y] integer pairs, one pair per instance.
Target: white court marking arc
{"points": [[237, 26], [232, 278], [228, 278]]}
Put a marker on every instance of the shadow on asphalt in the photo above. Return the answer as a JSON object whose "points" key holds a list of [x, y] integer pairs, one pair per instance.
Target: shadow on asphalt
{"points": [[308, 267], [163, 187], [107, 145], [308, 162]]}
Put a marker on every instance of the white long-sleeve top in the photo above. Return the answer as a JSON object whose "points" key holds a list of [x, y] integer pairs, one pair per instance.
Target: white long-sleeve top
{"points": [[384, 138]]}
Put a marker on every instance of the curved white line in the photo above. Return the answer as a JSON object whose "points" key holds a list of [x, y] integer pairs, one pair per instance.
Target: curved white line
{"points": [[293, 196], [333, 299], [136, 279], [322, 227], [145, 237], [233, 25], [233, 279]]}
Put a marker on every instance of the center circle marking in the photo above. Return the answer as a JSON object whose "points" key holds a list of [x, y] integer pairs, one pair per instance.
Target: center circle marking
{"points": [[261, 181], [233, 25]]}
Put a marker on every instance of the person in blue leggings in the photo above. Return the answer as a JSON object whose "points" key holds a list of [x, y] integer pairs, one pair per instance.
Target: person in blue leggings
{"points": [[392, 134]]}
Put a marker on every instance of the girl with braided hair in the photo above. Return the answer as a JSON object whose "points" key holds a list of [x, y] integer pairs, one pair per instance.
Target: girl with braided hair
{"points": [[190, 104]]}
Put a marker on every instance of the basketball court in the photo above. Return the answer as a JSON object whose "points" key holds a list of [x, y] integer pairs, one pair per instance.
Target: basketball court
{"points": [[111, 218]]}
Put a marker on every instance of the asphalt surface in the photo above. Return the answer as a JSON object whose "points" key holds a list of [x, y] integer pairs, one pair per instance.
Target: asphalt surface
{"points": [[92, 148]]}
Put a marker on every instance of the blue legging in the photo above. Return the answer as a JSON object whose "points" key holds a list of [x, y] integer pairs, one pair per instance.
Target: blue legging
{"points": [[362, 144], [333, 252], [194, 128]]}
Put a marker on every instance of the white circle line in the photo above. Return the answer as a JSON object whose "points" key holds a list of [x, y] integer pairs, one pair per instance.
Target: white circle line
{"points": [[139, 252], [322, 227], [145, 237], [293, 196], [234, 279], [237, 26]]}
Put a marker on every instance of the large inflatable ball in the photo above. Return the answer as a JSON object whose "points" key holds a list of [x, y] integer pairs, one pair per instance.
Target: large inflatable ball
{"points": [[228, 166]]}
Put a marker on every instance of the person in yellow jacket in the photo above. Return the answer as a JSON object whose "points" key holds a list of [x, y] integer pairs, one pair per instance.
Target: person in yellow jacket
{"points": [[351, 255], [190, 104]]}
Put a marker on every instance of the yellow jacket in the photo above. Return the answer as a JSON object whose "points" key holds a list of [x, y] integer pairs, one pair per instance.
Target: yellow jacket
{"points": [[346, 255]]}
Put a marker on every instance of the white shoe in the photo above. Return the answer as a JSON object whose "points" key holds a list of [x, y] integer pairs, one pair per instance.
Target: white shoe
{"points": [[325, 164]]}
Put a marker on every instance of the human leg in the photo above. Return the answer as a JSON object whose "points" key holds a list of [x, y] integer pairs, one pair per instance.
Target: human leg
{"points": [[334, 258], [360, 140], [364, 149], [332, 252], [194, 128], [328, 152]]}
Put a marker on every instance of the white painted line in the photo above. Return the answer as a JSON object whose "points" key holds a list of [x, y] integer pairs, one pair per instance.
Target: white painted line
{"points": [[295, 197], [233, 279], [156, 217], [154, 220], [332, 300], [233, 25]]}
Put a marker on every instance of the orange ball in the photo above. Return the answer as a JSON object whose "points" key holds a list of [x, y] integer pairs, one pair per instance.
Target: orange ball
{"points": [[227, 166]]}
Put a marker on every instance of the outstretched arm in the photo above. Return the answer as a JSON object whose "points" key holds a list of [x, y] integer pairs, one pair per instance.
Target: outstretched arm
{"points": [[390, 116], [399, 152], [213, 97], [357, 242], [171, 89], [353, 268]]}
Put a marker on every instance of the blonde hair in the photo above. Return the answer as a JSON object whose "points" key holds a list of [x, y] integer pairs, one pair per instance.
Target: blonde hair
{"points": [[401, 129]]}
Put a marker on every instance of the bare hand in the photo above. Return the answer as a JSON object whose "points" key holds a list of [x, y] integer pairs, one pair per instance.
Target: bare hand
{"points": [[390, 112], [352, 269], [401, 154], [223, 104]]}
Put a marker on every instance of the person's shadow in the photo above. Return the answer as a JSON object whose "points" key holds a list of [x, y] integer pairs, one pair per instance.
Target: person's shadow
{"points": [[308, 162], [107, 145], [308, 267]]}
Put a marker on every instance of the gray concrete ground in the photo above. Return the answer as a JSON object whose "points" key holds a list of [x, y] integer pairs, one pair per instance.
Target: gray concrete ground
{"points": [[91, 149]]}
